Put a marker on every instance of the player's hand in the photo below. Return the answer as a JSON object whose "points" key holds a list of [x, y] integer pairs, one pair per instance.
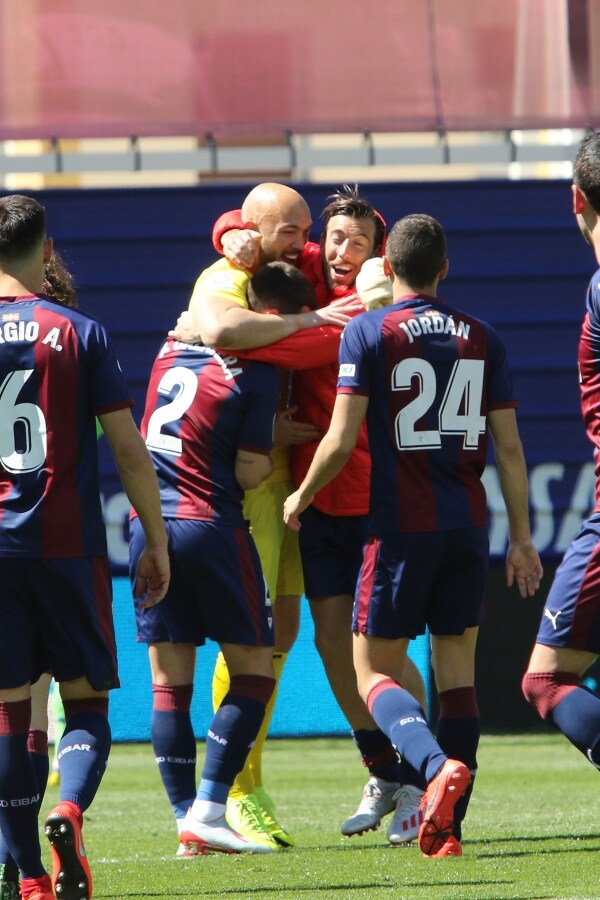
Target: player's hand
{"points": [[292, 507], [185, 329], [338, 312], [152, 576], [286, 431], [373, 286], [523, 565], [242, 247]]}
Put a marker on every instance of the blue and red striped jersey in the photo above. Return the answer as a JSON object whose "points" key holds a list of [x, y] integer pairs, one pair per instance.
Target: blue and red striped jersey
{"points": [[201, 407], [57, 372], [432, 374], [589, 372]]}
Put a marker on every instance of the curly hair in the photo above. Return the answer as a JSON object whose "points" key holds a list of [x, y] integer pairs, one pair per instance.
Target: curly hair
{"points": [[58, 282]]}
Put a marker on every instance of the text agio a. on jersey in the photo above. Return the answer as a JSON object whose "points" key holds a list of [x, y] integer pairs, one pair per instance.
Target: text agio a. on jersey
{"points": [[432, 373], [201, 407], [57, 372]]}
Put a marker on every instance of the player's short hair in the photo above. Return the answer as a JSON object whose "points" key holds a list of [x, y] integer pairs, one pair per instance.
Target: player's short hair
{"points": [[416, 249], [347, 202], [22, 226], [278, 285], [586, 169]]}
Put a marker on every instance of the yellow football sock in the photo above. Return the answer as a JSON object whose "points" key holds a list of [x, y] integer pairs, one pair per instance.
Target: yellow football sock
{"points": [[255, 756], [251, 775]]}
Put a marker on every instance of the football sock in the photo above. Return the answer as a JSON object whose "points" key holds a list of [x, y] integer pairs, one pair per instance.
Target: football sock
{"points": [[174, 743], [220, 682], [244, 780], [458, 731], [254, 760], [400, 717], [208, 810], [577, 715], [233, 729], [378, 755], [409, 775], [18, 822], [37, 747], [561, 698], [83, 749]]}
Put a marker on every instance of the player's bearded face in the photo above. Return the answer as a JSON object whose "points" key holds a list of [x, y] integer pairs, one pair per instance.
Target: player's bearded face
{"points": [[283, 239], [348, 242]]}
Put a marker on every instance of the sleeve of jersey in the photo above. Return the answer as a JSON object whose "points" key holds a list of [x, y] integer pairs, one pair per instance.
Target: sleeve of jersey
{"points": [[222, 280], [310, 348], [500, 390], [229, 220], [353, 374], [262, 385], [593, 297], [109, 390]]}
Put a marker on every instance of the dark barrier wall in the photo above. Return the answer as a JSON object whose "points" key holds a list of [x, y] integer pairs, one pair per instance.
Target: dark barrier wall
{"points": [[516, 259]]}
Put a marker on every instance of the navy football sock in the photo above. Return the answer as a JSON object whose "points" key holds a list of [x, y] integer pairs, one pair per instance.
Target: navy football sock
{"points": [[378, 754], [37, 746], [174, 744], [83, 750], [18, 821], [400, 717], [458, 732], [577, 715], [231, 733]]}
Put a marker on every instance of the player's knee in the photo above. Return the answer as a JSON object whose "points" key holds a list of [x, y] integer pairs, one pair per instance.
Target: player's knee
{"points": [[545, 690], [327, 645]]}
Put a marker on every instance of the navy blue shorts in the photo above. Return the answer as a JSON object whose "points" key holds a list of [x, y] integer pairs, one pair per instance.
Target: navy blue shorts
{"points": [[217, 588], [418, 580], [331, 548], [56, 616], [571, 616]]}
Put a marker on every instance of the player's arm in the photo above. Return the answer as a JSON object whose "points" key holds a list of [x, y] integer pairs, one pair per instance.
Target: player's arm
{"points": [[251, 469], [307, 349], [331, 454], [239, 244], [140, 483], [522, 559], [218, 322]]}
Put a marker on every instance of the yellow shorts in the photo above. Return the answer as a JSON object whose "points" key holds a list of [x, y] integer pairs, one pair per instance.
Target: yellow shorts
{"points": [[277, 544]]}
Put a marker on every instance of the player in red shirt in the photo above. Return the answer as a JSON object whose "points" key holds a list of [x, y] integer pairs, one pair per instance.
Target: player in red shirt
{"points": [[331, 543]]}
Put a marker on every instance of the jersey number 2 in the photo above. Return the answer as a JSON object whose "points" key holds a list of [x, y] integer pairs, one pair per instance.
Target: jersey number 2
{"points": [[187, 384]]}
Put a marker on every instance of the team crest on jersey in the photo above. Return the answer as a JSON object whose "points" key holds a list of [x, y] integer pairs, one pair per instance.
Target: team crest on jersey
{"points": [[10, 317], [222, 281], [347, 369]]}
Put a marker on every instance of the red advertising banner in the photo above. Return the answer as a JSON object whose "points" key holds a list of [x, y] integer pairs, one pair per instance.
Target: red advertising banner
{"points": [[91, 68]]}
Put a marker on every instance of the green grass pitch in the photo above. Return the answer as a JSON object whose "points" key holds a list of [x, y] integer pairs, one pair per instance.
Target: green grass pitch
{"points": [[533, 832]]}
